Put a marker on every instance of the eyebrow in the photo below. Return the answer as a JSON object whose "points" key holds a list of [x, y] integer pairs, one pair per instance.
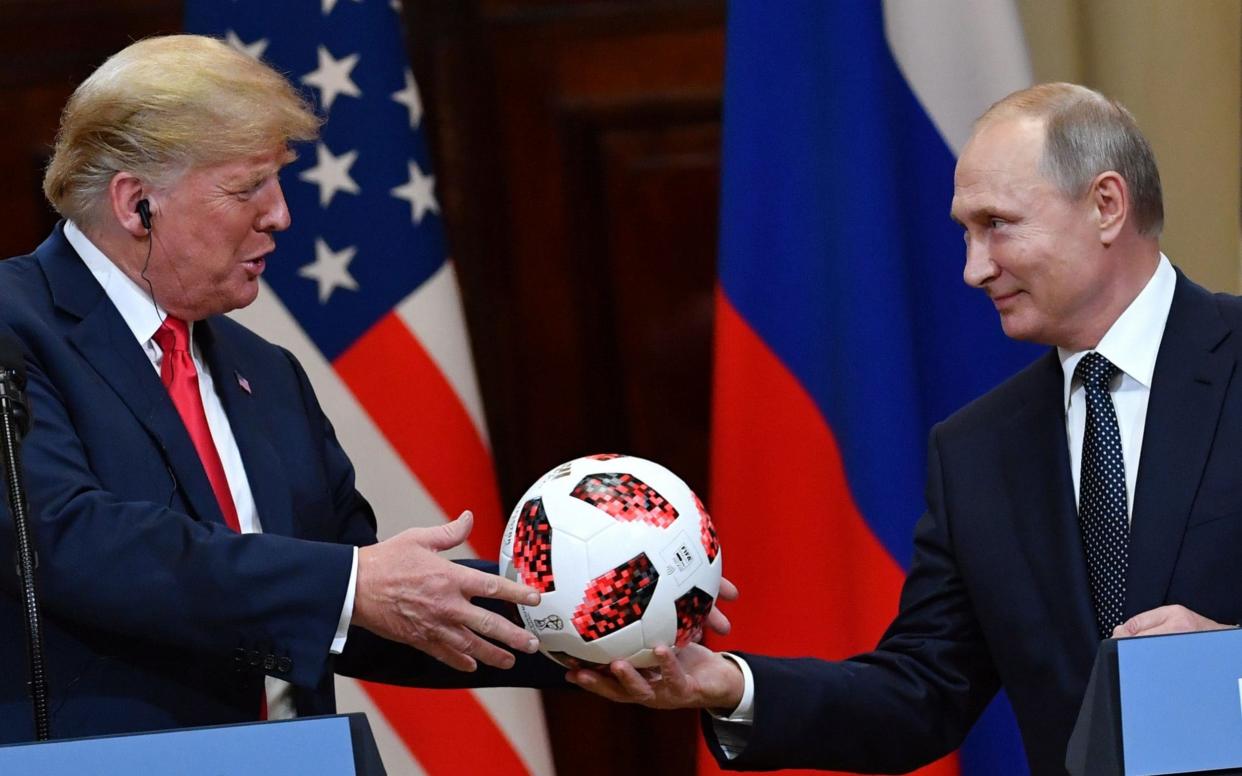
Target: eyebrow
{"points": [[254, 179]]}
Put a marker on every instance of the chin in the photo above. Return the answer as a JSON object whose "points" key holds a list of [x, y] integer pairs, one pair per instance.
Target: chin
{"points": [[1017, 329], [244, 298]]}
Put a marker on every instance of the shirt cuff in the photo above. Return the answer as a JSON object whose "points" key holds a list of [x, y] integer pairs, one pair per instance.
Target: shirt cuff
{"points": [[347, 611], [745, 712], [733, 732]]}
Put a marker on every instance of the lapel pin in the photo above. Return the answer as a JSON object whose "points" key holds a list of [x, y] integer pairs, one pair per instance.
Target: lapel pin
{"points": [[244, 383]]}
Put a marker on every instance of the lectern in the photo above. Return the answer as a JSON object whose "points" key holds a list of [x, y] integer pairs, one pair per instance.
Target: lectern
{"points": [[340, 745], [1162, 705]]}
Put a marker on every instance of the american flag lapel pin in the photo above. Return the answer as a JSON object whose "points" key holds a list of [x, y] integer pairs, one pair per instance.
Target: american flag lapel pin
{"points": [[243, 382]]}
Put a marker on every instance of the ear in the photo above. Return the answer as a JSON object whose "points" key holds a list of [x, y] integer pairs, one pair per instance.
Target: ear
{"points": [[1110, 198], [124, 191]]}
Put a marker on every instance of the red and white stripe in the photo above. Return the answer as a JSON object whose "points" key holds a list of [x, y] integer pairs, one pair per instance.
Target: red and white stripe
{"points": [[405, 405]]}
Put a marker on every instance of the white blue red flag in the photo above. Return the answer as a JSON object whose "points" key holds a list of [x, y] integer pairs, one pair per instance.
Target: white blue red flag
{"points": [[844, 331], [362, 291]]}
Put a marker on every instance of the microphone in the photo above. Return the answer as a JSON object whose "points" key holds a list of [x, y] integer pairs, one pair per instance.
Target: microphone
{"points": [[14, 423], [13, 384]]}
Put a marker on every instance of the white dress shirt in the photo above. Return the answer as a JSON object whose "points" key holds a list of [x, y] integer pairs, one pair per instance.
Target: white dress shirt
{"points": [[144, 316], [1131, 344]]}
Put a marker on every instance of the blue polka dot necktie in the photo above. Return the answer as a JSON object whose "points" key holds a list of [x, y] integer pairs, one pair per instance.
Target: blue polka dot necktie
{"points": [[1102, 496]]}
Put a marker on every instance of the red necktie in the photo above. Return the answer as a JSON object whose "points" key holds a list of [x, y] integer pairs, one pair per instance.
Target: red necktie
{"points": [[181, 379]]}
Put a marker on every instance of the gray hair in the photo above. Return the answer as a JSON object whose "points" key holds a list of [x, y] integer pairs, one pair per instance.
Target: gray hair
{"points": [[1086, 134]]}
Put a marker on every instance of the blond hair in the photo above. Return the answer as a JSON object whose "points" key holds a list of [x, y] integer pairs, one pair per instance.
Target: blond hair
{"points": [[162, 106], [1085, 134]]}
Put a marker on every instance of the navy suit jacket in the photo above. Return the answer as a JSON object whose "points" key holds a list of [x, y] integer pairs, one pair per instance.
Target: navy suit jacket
{"points": [[156, 614], [997, 593]]}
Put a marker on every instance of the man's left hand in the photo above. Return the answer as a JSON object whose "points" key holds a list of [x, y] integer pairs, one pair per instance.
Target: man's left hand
{"points": [[693, 677], [1166, 619]]}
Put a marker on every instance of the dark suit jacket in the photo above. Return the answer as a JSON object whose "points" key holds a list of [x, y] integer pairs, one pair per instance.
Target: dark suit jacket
{"points": [[156, 614], [997, 592]]}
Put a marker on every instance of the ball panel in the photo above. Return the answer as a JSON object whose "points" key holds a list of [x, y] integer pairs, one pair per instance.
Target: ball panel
{"points": [[692, 610], [575, 518], [532, 547], [625, 497], [618, 645], [660, 623], [707, 531], [616, 598]]}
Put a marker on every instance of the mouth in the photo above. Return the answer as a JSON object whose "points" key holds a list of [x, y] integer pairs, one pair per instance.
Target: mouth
{"points": [[1003, 300], [254, 267]]}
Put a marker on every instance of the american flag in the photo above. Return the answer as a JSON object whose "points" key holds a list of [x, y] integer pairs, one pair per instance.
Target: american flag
{"points": [[362, 291]]}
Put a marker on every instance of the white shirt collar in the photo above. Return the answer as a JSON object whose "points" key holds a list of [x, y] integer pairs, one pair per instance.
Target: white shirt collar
{"points": [[1133, 341], [132, 301]]}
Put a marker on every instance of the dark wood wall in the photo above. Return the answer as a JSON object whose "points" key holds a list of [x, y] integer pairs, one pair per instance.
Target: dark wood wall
{"points": [[578, 152], [577, 148], [46, 48]]}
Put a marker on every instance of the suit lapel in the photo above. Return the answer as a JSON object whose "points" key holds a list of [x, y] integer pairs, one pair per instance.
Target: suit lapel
{"points": [[1187, 393], [1037, 471], [268, 486], [107, 344]]}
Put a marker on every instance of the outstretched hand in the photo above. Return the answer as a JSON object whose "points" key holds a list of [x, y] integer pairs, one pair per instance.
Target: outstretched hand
{"points": [[406, 591], [693, 677]]}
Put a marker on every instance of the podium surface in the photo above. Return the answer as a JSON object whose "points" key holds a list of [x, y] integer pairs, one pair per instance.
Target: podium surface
{"points": [[340, 744], [1161, 705], [1181, 702]]}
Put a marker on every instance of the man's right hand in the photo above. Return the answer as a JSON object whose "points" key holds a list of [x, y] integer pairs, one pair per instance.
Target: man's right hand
{"points": [[408, 593]]}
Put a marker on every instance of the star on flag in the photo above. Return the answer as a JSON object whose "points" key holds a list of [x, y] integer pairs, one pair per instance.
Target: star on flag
{"points": [[332, 77], [255, 49], [328, 5], [410, 98], [331, 269], [419, 192], [331, 173]]}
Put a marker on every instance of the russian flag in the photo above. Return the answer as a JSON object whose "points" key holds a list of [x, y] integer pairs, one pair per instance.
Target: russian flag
{"points": [[844, 331]]}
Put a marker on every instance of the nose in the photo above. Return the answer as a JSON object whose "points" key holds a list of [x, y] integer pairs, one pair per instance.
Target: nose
{"points": [[275, 215], [979, 269]]}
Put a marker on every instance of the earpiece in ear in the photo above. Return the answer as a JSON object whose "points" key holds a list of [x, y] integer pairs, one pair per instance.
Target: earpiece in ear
{"points": [[144, 213]]}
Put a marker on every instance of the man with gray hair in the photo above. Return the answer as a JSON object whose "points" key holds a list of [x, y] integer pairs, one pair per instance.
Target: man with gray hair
{"points": [[1092, 495], [204, 556]]}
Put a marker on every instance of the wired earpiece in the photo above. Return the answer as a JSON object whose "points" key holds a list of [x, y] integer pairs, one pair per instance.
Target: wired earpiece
{"points": [[144, 213]]}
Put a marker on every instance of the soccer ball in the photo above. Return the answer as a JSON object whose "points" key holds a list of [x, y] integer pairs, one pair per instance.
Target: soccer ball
{"points": [[624, 554]]}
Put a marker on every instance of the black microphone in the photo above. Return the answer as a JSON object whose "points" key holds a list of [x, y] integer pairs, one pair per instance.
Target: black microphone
{"points": [[14, 423], [13, 383]]}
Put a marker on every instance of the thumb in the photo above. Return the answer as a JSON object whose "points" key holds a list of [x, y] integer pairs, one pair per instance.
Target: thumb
{"points": [[451, 534]]}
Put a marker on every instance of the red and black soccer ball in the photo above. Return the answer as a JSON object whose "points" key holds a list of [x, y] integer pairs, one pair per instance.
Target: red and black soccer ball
{"points": [[625, 556]]}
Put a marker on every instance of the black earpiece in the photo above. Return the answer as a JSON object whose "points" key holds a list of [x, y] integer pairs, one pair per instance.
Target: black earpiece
{"points": [[144, 213]]}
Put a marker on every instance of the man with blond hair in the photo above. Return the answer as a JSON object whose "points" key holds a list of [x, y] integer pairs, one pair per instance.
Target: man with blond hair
{"points": [[204, 555], [1092, 495]]}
